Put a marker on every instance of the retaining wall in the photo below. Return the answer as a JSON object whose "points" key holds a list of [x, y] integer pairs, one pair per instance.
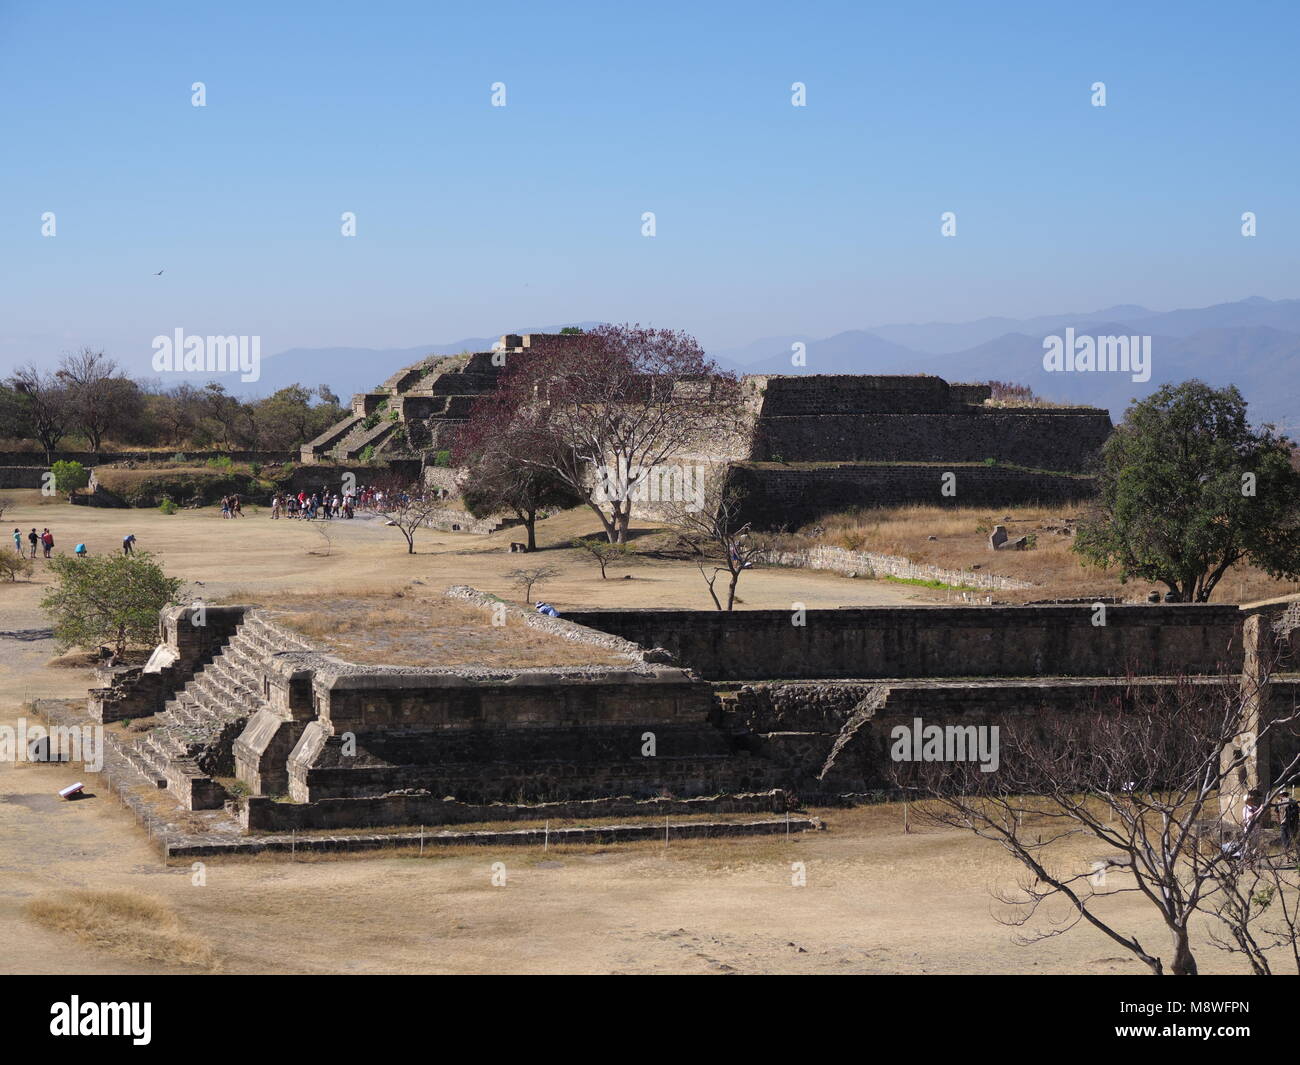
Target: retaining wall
{"points": [[793, 495], [976, 641]]}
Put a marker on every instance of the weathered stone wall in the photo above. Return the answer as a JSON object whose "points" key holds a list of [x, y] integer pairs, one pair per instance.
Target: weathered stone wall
{"points": [[871, 564], [1045, 439], [262, 814], [778, 495], [802, 726], [89, 458], [936, 641], [829, 394], [867, 418], [22, 476], [409, 700]]}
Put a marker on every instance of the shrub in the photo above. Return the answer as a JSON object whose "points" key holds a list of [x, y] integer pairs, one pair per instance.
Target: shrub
{"points": [[852, 540], [180, 457], [442, 458], [367, 454], [113, 599], [168, 506], [70, 476], [13, 565], [221, 462]]}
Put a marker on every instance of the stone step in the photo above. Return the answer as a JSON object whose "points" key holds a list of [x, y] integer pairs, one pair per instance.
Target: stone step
{"points": [[230, 680], [184, 712], [164, 746], [143, 762]]}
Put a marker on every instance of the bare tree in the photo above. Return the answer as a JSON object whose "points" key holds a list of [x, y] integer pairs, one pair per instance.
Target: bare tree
{"points": [[1142, 776], [326, 531], [602, 552], [524, 579], [407, 507], [711, 527], [1258, 908], [46, 405], [100, 397]]}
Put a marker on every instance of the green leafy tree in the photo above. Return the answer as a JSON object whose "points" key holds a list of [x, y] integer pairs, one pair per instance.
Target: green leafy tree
{"points": [[288, 418], [108, 599], [70, 477], [1187, 489], [496, 482]]}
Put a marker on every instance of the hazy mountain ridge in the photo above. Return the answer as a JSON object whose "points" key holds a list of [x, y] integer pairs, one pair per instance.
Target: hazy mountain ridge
{"points": [[1253, 343]]}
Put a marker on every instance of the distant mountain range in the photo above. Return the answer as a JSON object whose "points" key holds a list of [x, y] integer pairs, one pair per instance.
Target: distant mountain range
{"points": [[1253, 343]]}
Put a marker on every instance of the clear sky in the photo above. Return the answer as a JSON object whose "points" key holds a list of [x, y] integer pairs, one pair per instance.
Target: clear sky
{"points": [[771, 219]]}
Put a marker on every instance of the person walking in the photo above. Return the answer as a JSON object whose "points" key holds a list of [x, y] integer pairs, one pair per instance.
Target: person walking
{"points": [[128, 544], [31, 539], [47, 541], [18, 542]]}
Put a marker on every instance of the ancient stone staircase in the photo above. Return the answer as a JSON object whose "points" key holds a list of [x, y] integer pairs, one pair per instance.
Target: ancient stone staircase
{"points": [[360, 437], [192, 742], [327, 440]]}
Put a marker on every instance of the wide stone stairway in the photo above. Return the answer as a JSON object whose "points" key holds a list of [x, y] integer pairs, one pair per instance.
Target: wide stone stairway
{"points": [[191, 743]]}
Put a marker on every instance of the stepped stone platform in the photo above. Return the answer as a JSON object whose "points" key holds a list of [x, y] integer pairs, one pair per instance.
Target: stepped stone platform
{"points": [[178, 833], [247, 715], [248, 728], [801, 446]]}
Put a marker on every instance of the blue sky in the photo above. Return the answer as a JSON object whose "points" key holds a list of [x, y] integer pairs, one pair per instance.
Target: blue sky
{"points": [[771, 219]]}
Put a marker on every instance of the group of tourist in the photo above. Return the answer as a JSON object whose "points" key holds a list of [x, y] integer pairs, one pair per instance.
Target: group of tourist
{"points": [[324, 503], [45, 541], [231, 507], [320, 504]]}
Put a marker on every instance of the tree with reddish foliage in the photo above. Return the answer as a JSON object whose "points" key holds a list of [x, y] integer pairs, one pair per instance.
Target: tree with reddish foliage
{"points": [[602, 409]]}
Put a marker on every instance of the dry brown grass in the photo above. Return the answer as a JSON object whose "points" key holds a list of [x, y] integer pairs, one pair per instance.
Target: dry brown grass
{"points": [[126, 923], [419, 627], [962, 544], [73, 660]]}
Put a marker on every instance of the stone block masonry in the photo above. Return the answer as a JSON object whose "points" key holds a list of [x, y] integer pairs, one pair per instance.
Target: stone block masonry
{"points": [[22, 476], [974, 641], [870, 564], [1062, 440], [870, 418], [775, 496]]}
